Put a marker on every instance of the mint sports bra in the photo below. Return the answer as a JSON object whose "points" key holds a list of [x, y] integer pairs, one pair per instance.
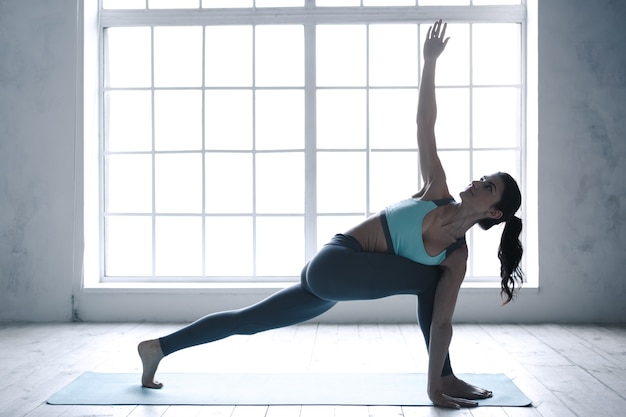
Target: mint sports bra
{"points": [[403, 230]]}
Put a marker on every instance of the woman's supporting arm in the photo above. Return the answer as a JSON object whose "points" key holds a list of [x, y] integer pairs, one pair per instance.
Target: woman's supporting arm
{"points": [[454, 268]]}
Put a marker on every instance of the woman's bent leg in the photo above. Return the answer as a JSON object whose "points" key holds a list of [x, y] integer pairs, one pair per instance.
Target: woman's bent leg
{"points": [[345, 272], [342, 271]]}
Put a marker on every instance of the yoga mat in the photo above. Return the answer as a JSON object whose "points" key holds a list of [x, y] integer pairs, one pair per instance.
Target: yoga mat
{"points": [[274, 389]]}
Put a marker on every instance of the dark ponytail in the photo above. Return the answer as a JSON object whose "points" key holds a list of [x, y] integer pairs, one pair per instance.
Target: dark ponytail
{"points": [[510, 255], [510, 251]]}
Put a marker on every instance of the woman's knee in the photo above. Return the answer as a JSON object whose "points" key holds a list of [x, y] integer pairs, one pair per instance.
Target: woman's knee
{"points": [[304, 282], [317, 280]]}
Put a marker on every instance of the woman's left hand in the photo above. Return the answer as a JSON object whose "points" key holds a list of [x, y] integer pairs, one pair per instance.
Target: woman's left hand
{"points": [[455, 387], [442, 400]]}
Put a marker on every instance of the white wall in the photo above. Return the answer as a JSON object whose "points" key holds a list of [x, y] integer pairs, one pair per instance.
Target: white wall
{"points": [[582, 192]]}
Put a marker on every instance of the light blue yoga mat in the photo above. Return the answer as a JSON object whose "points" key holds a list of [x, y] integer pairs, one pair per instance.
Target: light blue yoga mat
{"points": [[274, 389]]}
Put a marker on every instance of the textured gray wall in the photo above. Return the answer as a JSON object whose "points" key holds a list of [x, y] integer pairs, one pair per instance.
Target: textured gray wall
{"points": [[582, 187], [37, 124], [582, 157]]}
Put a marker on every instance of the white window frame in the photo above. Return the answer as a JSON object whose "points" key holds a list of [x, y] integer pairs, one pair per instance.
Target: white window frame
{"points": [[309, 16]]}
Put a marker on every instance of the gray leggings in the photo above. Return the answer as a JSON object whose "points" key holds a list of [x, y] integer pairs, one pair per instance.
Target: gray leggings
{"points": [[340, 271]]}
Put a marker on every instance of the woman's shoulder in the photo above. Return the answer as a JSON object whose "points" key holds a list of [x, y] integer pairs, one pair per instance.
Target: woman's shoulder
{"points": [[435, 197], [457, 260], [433, 192]]}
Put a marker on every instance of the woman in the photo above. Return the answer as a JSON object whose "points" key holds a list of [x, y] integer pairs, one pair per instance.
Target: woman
{"points": [[416, 247]]}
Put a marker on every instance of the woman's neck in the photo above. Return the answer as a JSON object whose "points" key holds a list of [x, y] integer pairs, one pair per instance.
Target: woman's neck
{"points": [[458, 218]]}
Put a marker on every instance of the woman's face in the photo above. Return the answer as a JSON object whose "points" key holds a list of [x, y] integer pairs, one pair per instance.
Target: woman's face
{"points": [[484, 194]]}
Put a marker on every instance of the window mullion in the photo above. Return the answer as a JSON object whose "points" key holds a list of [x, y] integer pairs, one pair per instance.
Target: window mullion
{"points": [[310, 132], [203, 132], [523, 144], [254, 154], [420, 181], [101, 152], [153, 109], [471, 259], [368, 148], [318, 15]]}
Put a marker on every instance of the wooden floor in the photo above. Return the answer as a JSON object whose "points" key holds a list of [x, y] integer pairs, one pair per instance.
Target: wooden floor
{"points": [[566, 370]]}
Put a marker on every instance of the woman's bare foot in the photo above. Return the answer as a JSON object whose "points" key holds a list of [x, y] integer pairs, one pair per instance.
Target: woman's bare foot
{"points": [[455, 387], [150, 354]]}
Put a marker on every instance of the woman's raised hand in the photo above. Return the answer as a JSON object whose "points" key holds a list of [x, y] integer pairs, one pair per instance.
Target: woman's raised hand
{"points": [[435, 43]]}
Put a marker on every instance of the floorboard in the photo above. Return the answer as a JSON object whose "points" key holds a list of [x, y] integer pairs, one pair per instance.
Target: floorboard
{"points": [[567, 370]]}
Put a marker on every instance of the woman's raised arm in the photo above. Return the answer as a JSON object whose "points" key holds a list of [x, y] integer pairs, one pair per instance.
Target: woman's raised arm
{"points": [[430, 165]]}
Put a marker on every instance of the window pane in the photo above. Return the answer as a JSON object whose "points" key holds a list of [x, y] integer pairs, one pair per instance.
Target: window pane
{"points": [[177, 120], [229, 244], [228, 119], [228, 183], [393, 55], [123, 4], [329, 226], [490, 67], [173, 4], [228, 56], [178, 246], [279, 119], [496, 126], [485, 251], [392, 119], [453, 118], [177, 56], [128, 57], [457, 167], [178, 183], [279, 56], [490, 162], [341, 182], [222, 4], [274, 257], [341, 119], [453, 66], [128, 121], [341, 55], [393, 177], [128, 184], [128, 246], [280, 182]]}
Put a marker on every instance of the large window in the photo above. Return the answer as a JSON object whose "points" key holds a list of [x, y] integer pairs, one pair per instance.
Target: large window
{"points": [[237, 137]]}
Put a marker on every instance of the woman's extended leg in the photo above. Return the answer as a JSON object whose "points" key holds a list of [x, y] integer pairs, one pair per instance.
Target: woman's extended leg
{"points": [[284, 308], [289, 306]]}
